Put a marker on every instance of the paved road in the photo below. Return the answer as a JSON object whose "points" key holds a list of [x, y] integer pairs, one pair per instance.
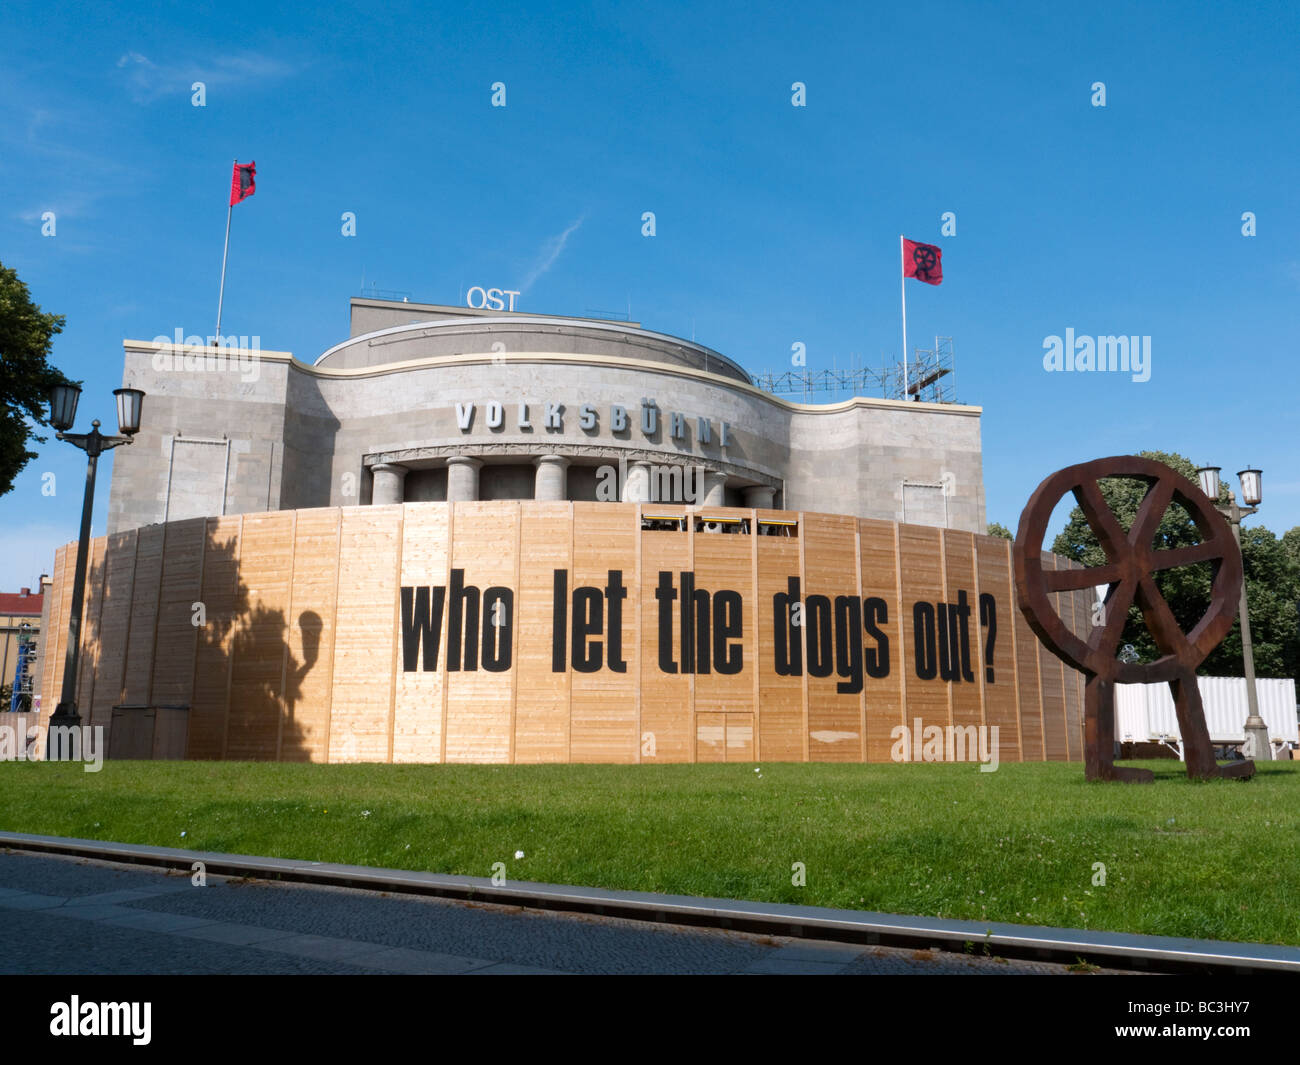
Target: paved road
{"points": [[69, 915]]}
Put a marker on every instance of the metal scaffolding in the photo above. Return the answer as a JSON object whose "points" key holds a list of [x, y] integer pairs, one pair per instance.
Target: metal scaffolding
{"points": [[23, 684], [930, 378]]}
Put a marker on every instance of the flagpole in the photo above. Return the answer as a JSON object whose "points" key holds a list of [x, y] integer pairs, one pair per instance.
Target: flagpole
{"points": [[221, 294], [902, 281]]}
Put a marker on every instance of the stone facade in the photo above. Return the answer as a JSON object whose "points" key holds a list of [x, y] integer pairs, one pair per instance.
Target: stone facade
{"points": [[441, 403]]}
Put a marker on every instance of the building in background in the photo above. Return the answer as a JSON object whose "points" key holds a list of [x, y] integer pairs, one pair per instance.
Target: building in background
{"points": [[20, 630], [434, 403]]}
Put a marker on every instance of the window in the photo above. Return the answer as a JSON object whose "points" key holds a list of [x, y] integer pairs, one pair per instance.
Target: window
{"points": [[704, 523], [662, 523]]}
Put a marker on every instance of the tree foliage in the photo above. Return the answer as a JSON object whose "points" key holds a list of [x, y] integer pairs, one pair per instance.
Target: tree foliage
{"points": [[1272, 569], [996, 528], [26, 336]]}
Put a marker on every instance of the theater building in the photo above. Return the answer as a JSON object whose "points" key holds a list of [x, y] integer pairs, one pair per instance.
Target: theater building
{"points": [[464, 535], [425, 403]]}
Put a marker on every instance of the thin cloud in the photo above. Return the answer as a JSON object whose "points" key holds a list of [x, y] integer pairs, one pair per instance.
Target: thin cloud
{"points": [[63, 205], [73, 183], [148, 81], [54, 159], [550, 252]]}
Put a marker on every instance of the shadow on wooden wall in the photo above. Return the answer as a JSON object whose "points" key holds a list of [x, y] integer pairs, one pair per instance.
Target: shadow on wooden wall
{"points": [[182, 658]]}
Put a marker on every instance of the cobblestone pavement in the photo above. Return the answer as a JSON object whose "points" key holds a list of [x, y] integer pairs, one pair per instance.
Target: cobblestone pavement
{"points": [[75, 916]]}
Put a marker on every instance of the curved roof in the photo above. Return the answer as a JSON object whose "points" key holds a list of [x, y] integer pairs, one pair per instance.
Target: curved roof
{"points": [[458, 336]]}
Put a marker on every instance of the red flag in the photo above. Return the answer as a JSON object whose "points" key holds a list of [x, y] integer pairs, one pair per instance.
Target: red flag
{"points": [[923, 262], [242, 183]]}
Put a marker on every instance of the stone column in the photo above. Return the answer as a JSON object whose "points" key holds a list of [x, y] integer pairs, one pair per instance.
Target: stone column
{"points": [[760, 497], [552, 478], [714, 489], [462, 478], [389, 484], [637, 487]]}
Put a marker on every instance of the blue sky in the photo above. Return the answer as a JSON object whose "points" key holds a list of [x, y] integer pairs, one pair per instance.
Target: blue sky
{"points": [[775, 224]]}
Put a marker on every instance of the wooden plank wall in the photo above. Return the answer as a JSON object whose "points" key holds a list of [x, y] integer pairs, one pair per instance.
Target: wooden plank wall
{"points": [[725, 704], [999, 670], [782, 732], [142, 623], [830, 570], [255, 708], [962, 596], [883, 699], [182, 570], [603, 710], [921, 563], [297, 654], [370, 549], [542, 716], [90, 629], [668, 727], [225, 606], [309, 668], [55, 642], [480, 702], [417, 728]]}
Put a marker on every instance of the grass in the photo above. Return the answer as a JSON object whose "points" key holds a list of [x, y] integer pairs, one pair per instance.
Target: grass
{"points": [[1218, 860]]}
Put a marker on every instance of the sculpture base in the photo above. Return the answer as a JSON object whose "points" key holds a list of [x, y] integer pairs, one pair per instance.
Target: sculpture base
{"points": [[1198, 752], [1124, 774], [1236, 770]]}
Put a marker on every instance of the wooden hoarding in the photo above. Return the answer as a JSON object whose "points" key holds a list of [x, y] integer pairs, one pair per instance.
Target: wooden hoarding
{"points": [[534, 632]]}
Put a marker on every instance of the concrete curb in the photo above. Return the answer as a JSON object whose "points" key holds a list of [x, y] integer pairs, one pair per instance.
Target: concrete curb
{"points": [[1115, 950]]}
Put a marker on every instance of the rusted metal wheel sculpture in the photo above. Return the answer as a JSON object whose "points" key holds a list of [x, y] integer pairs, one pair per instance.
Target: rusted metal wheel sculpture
{"points": [[1131, 562]]}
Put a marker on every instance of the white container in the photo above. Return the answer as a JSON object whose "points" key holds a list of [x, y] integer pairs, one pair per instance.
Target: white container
{"points": [[1145, 712]]}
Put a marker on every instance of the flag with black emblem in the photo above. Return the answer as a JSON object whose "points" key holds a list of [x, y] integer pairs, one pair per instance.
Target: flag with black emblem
{"points": [[242, 182], [923, 262]]}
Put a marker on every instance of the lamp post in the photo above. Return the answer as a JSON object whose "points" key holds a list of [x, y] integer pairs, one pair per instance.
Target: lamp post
{"points": [[1257, 745], [63, 412]]}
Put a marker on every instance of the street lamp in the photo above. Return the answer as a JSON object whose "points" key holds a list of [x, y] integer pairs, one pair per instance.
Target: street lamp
{"points": [[63, 412], [1252, 492]]}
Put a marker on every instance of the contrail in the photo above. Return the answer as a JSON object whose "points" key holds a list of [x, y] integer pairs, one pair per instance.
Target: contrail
{"points": [[550, 252]]}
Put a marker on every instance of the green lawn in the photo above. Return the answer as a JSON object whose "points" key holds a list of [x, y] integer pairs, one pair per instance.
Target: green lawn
{"points": [[1218, 860]]}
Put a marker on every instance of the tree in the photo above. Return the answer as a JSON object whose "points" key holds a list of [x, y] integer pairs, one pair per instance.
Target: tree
{"points": [[1291, 544], [996, 528], [26, 377], [7, 697], [1272, 569]]}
